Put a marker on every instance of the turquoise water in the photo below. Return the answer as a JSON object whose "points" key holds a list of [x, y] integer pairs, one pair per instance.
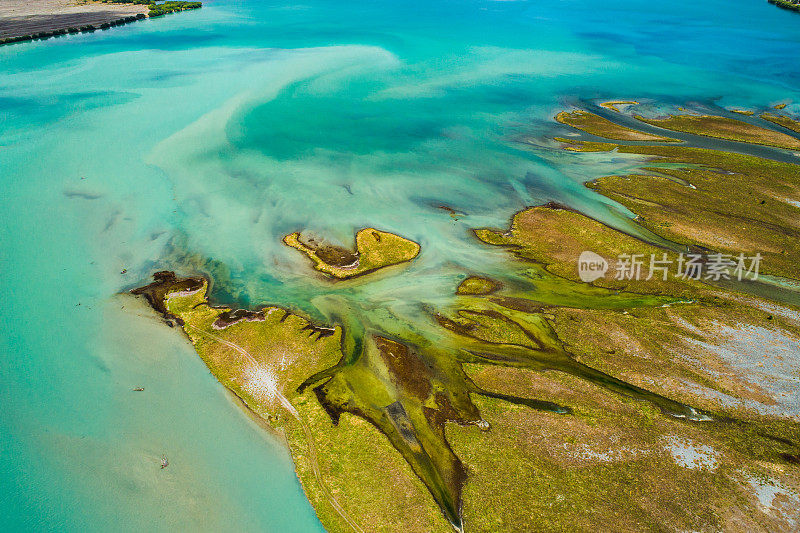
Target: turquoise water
{"points": [[209, 135]]}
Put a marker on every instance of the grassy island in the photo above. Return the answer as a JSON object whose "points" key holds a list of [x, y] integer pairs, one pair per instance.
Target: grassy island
{"points": [[374, 250], [723, 128], [478, 285], [597, 125], [782, 120], [613, 105]]}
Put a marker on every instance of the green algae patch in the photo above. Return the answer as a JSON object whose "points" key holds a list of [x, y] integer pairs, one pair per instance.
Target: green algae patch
{"points": [[478, 285], [724, 128], [374, 250], [597, 125], [781, 120]]}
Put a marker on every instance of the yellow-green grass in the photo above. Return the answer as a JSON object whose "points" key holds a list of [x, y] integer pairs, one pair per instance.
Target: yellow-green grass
{"points": [[613, 104], [478, 285], [637, 343], [374, 250], [368, 477], [782, 120], [597, 125], [724, 128], [735, 203], [280, 342], [609, 354], [605, 468], [556, 237], [355, 462], [662, 348], [751, 219], [517, 469], [608, 463]]}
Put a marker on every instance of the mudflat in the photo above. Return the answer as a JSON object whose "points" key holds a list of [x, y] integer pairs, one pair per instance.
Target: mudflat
{"points": [[30, 17]]}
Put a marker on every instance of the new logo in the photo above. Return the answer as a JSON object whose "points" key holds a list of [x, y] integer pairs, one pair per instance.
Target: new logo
{"points": [[591, 266]]}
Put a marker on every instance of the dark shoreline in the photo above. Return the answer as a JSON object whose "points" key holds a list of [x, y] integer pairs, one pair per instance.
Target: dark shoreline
{"points": [[784, 4], [89, 28]]}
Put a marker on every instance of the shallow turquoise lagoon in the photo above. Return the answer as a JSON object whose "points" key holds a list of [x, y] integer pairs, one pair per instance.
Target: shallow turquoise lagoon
{"points": [[198, 140]]}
